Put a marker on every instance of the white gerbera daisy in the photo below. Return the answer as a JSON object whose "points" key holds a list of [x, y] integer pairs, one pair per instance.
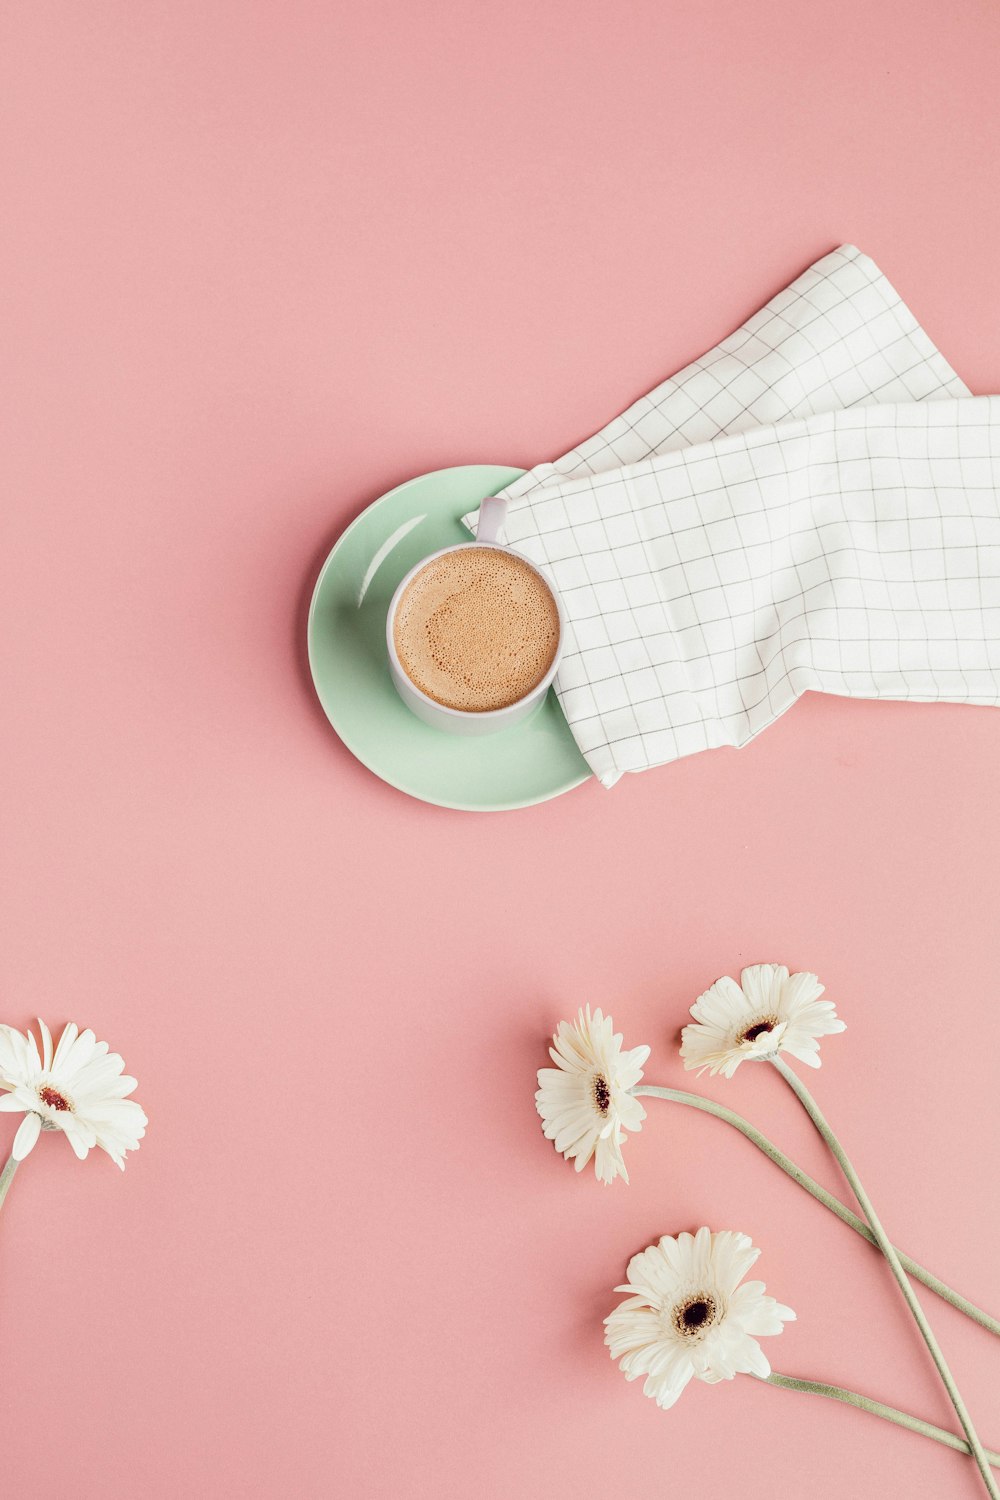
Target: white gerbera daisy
{"points": [[689, 1316], [584, 1101], [769, 1011], [79, 1089]]}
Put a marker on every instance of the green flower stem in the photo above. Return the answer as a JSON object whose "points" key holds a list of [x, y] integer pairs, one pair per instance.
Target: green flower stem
{"points": [[914, 1269], [920, 1318], [7, 1177], [877, 1409]]}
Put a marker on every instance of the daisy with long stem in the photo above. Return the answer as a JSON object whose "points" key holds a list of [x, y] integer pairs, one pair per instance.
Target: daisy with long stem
{"points": [[588, 1104], [78, 1087], [689, 1314], [771, 1011], [821, 1194]]}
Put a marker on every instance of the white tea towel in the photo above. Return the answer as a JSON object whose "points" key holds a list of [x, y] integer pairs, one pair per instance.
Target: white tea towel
{"points": [[717, 558]]}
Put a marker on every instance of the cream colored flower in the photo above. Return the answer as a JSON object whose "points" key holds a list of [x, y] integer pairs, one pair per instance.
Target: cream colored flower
{"points": [[689, 1317], [769, 1011], [584, 1101], [80, 1089]]}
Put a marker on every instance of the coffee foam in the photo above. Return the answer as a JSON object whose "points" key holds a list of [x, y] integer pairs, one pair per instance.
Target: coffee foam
{"points": [[476, 629]]}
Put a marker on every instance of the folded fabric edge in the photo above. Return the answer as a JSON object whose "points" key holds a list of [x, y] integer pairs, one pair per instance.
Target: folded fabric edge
{"points": [[548, 474]]}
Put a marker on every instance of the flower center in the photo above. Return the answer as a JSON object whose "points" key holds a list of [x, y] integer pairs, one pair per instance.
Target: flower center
{"points": [[759, 1028], [53, 1098], [602, 1094], [695, 1315]]}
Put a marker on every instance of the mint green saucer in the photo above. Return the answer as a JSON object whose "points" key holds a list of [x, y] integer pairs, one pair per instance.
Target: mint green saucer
{"points": [[516, 767]]}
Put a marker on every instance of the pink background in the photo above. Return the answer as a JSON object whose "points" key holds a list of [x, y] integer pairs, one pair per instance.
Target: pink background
{"points": [[262, 262]]}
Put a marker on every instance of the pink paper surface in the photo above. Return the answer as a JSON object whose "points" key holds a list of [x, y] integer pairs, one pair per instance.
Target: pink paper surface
{"points": [[260, 263]]}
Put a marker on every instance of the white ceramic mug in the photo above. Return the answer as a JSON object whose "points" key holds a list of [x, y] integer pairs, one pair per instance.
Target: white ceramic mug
{"points": [[492, 512]]}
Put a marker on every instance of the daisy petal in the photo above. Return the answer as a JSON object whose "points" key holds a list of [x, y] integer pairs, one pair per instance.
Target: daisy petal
{"points": [[78, 1143], [27, 1134], [46, 1036]]}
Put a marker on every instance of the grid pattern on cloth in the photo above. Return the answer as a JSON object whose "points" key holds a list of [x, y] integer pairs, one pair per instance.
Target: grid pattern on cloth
{"points": [[807, 506], [838, 336], [855, 553]]}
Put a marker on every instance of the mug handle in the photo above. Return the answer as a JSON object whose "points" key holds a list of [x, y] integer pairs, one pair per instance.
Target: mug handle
{"points": [[492, 514]]}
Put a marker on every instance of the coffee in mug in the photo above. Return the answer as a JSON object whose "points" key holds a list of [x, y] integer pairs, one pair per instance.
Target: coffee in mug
{"points": [[476, 629]]}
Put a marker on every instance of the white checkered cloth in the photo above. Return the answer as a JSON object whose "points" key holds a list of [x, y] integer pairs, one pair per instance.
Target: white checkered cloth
{"points": [[812, 505]]}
